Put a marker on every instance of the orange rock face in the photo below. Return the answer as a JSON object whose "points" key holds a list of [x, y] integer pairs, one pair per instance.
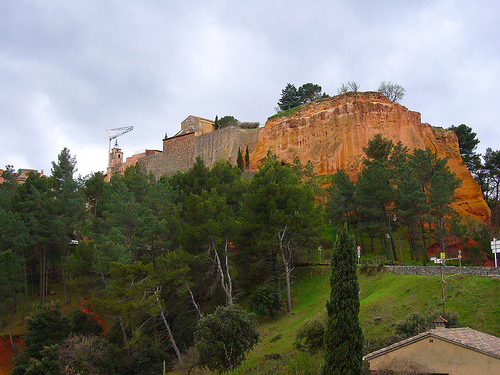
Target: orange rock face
{"points": [[332, 133]]}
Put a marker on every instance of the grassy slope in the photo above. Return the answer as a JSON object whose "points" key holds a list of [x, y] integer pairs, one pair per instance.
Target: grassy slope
{"points": [[385, 299]]}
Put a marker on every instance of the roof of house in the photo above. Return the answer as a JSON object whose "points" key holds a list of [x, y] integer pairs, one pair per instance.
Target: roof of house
{"points": [[466, 337]]}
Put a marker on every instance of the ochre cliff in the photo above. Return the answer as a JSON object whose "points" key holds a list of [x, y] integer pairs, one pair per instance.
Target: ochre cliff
{"points": [[332, 133]]}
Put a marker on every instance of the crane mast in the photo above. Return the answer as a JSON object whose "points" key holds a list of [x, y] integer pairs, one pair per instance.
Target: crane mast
{"points": [[118, 132]]}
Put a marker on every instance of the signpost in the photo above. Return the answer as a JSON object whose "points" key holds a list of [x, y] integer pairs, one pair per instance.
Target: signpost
{"points": [[359, 253], [495, 248]]}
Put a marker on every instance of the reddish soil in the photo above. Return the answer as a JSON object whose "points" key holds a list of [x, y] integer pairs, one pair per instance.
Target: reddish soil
{"points": [[6, 353]]}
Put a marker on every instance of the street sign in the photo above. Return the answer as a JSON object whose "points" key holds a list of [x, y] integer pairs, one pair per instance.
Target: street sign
{"points": [[495, 246], [443, 256], [359, 252]]}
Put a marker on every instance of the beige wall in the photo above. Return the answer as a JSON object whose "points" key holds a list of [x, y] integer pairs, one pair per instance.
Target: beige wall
{"points": [[436, 355]]}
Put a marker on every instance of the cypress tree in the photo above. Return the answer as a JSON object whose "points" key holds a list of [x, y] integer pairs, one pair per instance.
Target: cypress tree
{"points": [[343, 335], [247, 159], [239, 159]]}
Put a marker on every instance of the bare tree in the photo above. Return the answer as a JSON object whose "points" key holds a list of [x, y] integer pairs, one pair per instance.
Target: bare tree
{"points": [[285, 245], [226, 286], [392, 91], [349, 87]]}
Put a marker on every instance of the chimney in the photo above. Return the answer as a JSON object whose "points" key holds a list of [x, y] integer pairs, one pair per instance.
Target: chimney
{"points": [[439, 322]]}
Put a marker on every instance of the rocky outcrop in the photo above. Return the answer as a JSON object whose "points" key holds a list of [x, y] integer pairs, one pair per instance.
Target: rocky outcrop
{"points": [[332, 133]]}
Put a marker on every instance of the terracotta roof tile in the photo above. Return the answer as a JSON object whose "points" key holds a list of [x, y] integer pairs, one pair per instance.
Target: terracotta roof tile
{"points": [[468, 337]]}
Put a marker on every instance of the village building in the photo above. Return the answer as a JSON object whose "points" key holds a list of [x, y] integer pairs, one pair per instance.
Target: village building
{"points": [[452, 351]]}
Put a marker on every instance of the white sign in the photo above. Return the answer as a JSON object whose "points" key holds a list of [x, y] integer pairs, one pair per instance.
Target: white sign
{"points": [[495, 246], [359, 252]]}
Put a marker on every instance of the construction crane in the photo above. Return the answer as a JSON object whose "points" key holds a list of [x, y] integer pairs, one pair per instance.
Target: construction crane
{"points": [[119, 131]]}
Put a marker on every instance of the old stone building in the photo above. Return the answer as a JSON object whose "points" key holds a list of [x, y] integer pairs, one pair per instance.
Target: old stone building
{"points": [[197, 138]]}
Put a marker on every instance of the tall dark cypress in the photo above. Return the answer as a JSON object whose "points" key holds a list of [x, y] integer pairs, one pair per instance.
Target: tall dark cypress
{"points": [[343, 335], [247, 159], [239, 159]]}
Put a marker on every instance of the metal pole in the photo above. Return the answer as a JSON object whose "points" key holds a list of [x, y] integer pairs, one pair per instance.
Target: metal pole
{"points": [[390, 238], [495, 250]]}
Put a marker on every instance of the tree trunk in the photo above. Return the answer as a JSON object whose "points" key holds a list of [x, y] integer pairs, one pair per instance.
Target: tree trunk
{"points": [[286, 256], [196, 306], [124, 336], [172, 340], [26, 292], [64, 277], [227, 287], [10, 332]]}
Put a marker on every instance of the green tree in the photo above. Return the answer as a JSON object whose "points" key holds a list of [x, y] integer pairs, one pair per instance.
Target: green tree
{"points": [[11, 285], [225, 337], [247, 159], [392, 91], [68, 207], [8, 187], [46, 326], [216, 122], [266, 301], [467, 143], [227, 121], [239, 159], [309, 92], [93, 188], [378, 148], [279, 218], [290, 98], [492, 168], [341, 200], [374, 193], [411, 205], [343, 335]]}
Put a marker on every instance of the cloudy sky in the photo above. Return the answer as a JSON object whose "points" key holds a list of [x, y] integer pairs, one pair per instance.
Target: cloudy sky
{"points": [[71, 69]]}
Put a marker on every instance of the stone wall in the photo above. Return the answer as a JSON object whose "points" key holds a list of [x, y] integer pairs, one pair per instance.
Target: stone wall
{"points": [[436, 270], [220, 144], [180, 153]]}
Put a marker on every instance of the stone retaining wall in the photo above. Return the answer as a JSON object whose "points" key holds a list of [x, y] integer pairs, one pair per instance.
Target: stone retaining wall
{"points": [[436, 270]]}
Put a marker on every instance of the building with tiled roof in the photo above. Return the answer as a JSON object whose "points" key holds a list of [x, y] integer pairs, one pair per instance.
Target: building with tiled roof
{"points": [[453, 351]]}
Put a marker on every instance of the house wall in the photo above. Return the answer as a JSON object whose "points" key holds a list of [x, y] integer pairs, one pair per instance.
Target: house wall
{"points": [[433, 355]]}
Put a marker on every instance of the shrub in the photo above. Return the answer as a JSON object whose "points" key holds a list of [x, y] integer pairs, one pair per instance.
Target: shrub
{"points": [[266, 302], [225, 337], [249, 125], [310, 335], [412, 325]]}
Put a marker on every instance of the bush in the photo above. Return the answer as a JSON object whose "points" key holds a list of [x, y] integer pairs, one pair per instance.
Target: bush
{"points": [[266, 302], [412, 325], [310, 335], [81, 354], [225, 337], [249, 125], [370, 269], [82, 323]]}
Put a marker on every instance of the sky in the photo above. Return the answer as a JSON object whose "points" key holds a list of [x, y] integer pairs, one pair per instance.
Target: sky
{"points": [[71, 69]]}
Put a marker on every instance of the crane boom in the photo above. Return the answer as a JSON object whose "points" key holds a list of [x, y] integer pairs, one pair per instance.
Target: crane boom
{"points": [[119, 131]]}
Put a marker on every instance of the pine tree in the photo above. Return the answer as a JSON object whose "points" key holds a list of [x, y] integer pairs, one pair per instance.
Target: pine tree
{"points": [[343, 335]]}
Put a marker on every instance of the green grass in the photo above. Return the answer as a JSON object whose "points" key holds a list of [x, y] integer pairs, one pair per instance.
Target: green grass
{"points": [[385, 299]]}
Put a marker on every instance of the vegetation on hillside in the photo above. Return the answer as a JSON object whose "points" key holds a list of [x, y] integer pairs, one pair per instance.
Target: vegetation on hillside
{"points": [[156, 257]]}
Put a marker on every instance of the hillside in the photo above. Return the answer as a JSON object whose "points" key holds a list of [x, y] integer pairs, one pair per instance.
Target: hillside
{"points": [[386, 298]]}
